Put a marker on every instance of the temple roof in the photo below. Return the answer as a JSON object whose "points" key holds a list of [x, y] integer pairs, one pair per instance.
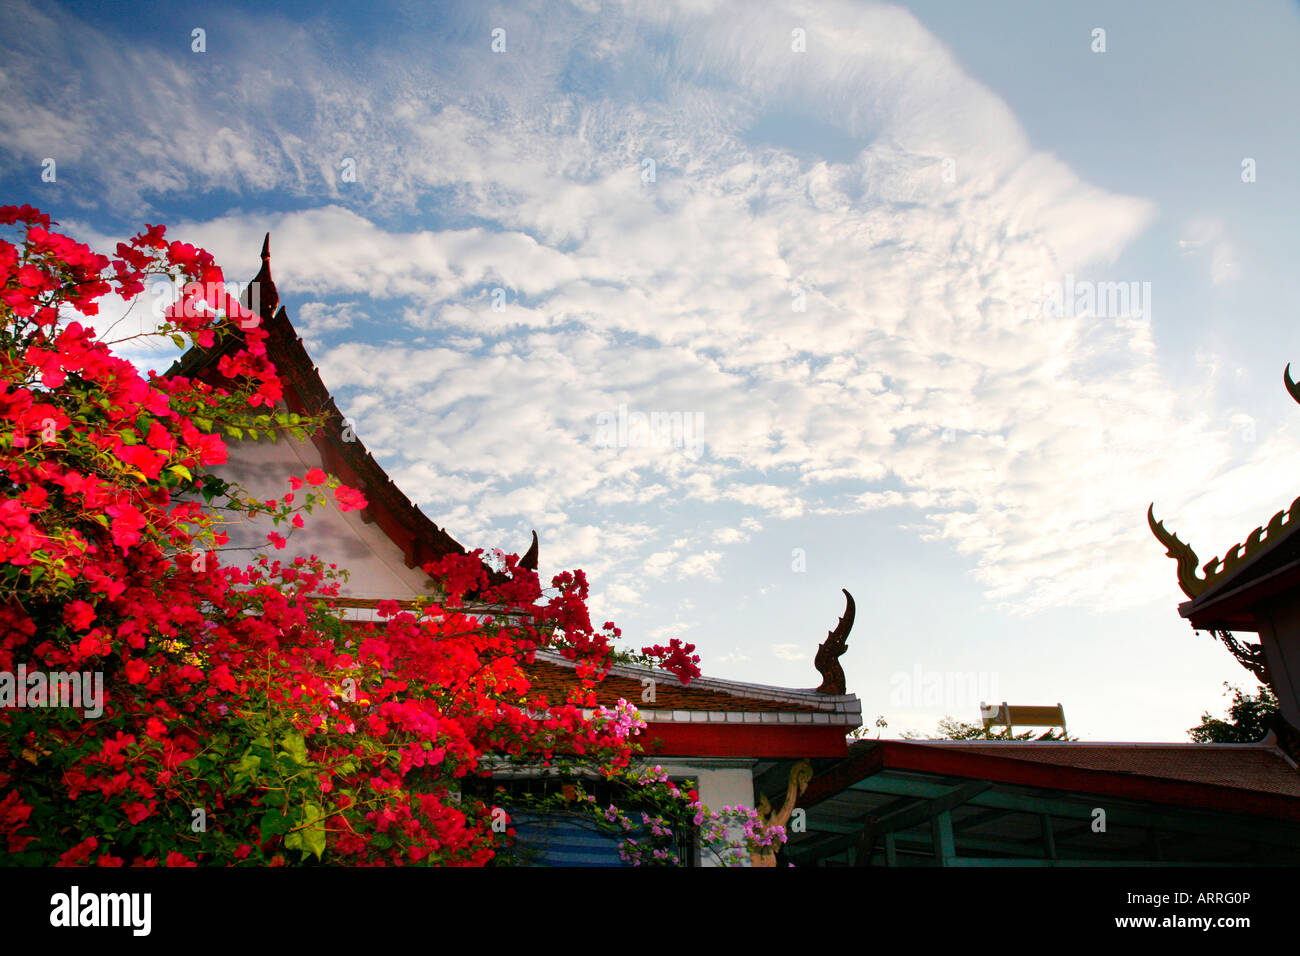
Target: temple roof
{"points": [[811, 721], [1266, 564], [705, 699], [305, 393], [1260, 767], [1255, 779]]}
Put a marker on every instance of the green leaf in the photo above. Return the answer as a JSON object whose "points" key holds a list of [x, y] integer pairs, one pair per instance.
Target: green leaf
{"points": [[314, 835], [295, 747], [273, 824], [247, 767], [310, 834], [182, 471]]}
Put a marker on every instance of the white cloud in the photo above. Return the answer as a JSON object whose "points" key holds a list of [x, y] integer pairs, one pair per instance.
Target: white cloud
{"points": [[657, 565], [922, 370], [703, 565], [1208, 238]]}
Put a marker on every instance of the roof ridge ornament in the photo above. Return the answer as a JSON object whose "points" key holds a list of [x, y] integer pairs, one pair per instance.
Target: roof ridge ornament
{"points": [[1187, 559], [1258, 540], [261, 295], [829, 651], [529, 560]]}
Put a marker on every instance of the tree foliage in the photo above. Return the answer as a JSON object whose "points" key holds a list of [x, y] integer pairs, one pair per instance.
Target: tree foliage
{"points": [[1248, 719], [952, 729]]}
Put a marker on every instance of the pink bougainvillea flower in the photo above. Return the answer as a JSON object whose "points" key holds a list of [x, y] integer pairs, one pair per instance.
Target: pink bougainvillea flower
{"points": [[349, 499]]}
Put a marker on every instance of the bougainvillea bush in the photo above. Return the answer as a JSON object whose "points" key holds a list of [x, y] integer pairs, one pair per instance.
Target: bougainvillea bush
{"points": [[230, 715]]}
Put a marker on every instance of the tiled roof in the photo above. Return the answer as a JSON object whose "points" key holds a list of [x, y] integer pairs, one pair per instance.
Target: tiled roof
{"points": [[1260, 767], [305, 393], [703, 700]]}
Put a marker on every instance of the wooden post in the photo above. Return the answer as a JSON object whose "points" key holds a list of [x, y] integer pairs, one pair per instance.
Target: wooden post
{"points": [[1049, 841], [945, 850]]}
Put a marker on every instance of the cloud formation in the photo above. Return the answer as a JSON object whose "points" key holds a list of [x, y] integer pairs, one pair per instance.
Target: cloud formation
{"points": [[855, 312]]}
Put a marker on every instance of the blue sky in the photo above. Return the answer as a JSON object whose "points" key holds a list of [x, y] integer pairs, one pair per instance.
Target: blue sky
{"points": [[822, 235]]}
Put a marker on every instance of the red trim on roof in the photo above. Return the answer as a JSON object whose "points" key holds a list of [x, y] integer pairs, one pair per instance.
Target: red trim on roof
{"points": [[743, 740]]}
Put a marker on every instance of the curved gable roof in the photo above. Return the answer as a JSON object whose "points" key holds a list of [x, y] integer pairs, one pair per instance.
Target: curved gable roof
{"points": [[419, 539]]}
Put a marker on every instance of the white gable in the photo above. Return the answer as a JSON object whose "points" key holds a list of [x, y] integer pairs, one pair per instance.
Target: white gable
{"points": [[377, 565]]}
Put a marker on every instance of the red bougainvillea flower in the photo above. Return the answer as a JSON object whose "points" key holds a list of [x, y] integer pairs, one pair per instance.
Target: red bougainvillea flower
{"points": [[349, 499], [79, 614], [136, 670], [244, 691]]}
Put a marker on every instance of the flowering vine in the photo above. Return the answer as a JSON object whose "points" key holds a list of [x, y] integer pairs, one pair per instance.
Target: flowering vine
{"points": [[242, 720]]}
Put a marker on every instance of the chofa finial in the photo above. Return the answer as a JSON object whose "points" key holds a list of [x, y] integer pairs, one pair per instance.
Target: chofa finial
{"points": [[529, 560], [829, 651], [1186, 557], [261, 296]]}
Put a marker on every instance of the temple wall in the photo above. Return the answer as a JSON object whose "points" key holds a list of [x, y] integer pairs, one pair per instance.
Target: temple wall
{"points": [[722, 782], [376, 564]]}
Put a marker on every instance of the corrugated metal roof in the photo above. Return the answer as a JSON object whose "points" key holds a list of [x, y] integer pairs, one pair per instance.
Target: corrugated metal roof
{"points": [[1261, 767]]}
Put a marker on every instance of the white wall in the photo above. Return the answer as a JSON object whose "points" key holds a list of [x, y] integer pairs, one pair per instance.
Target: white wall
{"points": [[722, 782], [377, 566]]}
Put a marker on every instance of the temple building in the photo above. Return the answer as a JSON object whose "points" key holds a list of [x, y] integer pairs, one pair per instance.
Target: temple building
{"points": [[851, 802], [722, 734], [1255, 588]]}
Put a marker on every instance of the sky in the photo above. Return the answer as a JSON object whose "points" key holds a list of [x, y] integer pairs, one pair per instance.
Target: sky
{"points": [[926, 301]]}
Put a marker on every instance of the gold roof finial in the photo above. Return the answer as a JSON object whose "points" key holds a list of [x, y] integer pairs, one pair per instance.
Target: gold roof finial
{"points": [[1187, 560]]}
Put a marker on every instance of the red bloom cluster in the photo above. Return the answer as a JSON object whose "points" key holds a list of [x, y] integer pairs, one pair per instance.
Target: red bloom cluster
{"points": [[226, 714], [676, 658]]}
